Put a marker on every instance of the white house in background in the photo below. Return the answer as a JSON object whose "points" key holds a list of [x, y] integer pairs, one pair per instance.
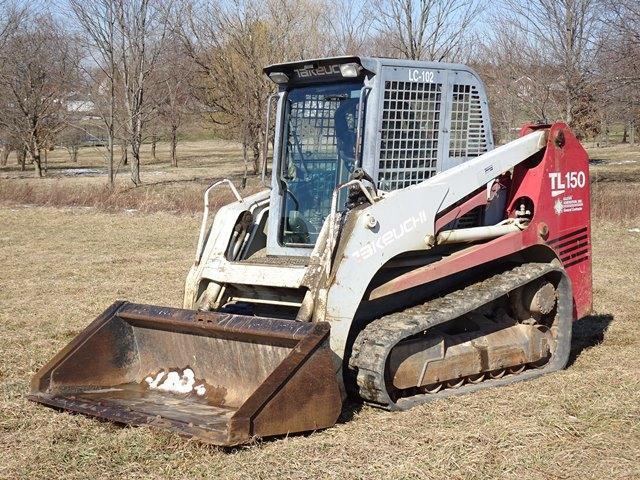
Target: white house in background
{"points": [[80, 106], [524, 86]]}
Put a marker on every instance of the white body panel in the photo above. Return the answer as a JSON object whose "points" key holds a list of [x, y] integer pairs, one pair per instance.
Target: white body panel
{"points": [[223, 271]]}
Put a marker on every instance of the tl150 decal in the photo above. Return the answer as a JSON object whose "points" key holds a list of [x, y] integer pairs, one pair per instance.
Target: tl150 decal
{"points": [[562, 184]]}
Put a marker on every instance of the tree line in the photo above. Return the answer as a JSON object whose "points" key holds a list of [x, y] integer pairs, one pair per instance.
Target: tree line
{"points": [[121, 73]]}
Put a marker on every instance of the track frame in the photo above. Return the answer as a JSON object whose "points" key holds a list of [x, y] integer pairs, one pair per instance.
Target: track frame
{"points": [[374, 343]]}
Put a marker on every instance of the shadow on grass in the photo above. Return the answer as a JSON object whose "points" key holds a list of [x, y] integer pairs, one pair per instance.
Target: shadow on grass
{"points": [[588, 332]]}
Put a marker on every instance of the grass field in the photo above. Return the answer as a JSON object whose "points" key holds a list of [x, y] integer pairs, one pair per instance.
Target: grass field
{"points": [[164, 188], [179, 190], [60, 267]]}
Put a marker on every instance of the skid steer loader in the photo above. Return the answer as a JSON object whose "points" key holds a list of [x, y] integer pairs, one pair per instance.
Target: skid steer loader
{"points": [[397, 257]]}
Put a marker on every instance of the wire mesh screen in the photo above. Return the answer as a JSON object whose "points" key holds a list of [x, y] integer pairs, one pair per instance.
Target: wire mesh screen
{"points": [[468, 136], [409, 134], [311, 122]]}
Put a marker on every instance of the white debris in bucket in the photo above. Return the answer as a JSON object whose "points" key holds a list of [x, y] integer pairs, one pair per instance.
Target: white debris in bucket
{"points": [[176, 382], [153, 384]]}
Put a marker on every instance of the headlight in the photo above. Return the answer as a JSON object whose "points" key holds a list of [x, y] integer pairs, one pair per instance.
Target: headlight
{"points": [[278, 77], [350, 70]]}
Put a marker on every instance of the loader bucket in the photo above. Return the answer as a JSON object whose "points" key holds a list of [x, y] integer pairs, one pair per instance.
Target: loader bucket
{"points": [[234, 377]]}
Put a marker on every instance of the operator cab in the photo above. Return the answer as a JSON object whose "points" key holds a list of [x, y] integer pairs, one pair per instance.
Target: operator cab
{"points": [[401, 121]]}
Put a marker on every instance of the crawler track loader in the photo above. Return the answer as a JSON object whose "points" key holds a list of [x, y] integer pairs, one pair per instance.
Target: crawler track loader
{"points": [[396, 257]]}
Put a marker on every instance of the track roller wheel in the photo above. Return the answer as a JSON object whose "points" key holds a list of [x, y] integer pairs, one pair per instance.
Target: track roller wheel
{"points": [[476, 378], [455, 382], [433, 388]]}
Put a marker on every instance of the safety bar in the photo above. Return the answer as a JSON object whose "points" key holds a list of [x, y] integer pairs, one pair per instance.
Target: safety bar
{"points": [[350, 183], [205, 215], [334, 204], [361, 105], [265, 147]]}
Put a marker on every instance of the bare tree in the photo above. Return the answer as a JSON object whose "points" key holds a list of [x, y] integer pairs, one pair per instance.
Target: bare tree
{"points": [[426, 29], [623, 35], [34, 94], [142, 28], [10, 19], [4, 153], [229, 45], [562, 33], [350, 30], [521, 84], [8, 144], [172, 95], [72, 138], [97, 21], [297, 29], [230, 42], [619, 61]]}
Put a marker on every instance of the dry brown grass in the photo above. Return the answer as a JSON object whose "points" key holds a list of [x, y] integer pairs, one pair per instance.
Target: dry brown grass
{"points": [[179, 190], [164, 188], [174, 196], [61, 267], [619, 202], [615, 182]]}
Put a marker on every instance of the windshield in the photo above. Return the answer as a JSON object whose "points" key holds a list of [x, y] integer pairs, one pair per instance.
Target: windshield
{"points": [[320, 139]]}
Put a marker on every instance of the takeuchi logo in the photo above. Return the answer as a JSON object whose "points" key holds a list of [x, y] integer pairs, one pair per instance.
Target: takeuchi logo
{"points": [[308, 71], [387, 238]]}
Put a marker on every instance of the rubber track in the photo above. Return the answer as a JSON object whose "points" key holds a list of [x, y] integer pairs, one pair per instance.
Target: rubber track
{"points": [[374, 343]]}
